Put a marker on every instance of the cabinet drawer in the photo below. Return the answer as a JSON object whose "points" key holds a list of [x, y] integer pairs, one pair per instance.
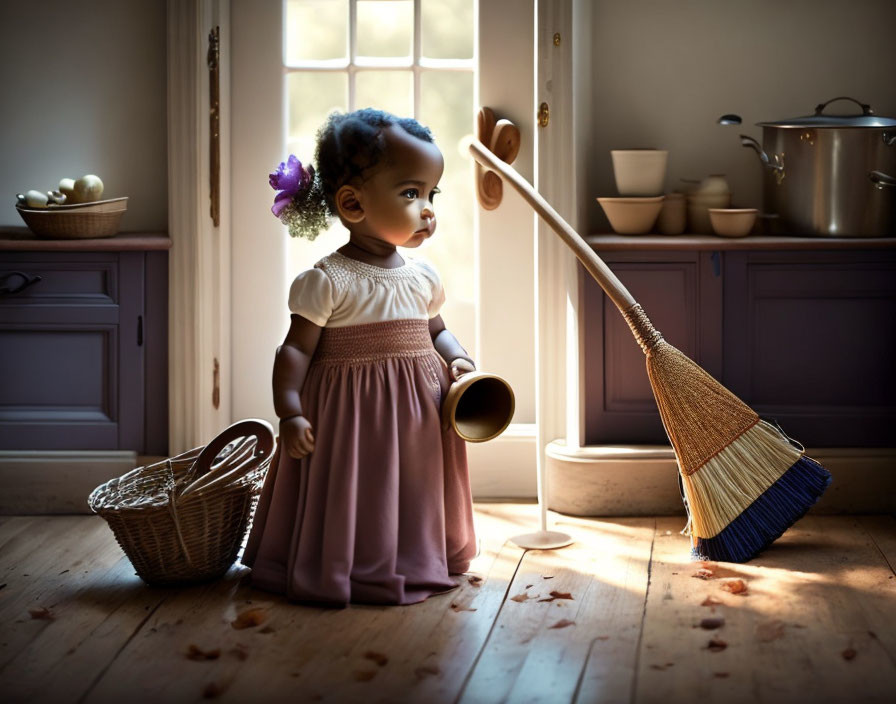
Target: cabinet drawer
{"points": [[89, 279]]}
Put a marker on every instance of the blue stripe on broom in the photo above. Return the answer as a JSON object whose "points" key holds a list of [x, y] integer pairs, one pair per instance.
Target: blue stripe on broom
{"points": [[766, 519]]}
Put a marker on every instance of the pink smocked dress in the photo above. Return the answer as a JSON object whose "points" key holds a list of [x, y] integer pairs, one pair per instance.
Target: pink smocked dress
{"points": [[381, 510]]}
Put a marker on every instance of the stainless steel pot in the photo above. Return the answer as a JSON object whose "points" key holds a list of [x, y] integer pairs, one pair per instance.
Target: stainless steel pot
{"points": [[829, 175]]}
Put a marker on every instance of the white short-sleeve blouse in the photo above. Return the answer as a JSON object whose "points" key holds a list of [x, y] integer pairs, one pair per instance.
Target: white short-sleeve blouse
{"points": [[340, 291]]}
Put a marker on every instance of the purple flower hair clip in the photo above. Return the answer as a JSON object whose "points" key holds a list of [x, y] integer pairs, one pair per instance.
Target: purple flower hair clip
{"points": [[300, 203], [290, 179]]}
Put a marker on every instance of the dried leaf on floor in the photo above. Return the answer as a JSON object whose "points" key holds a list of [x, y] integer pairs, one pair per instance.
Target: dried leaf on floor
{"points": [[213, 690], [363, 675], [41, 613], [427, 671], [563, 623], [378, 658], [770, 630], [716, 645], [703, 573], [460, 607], [194, 652], [735, 586], [712, 623], [550, 576], [557, 595], [521, 597], [710, 601], [249, 619], [475, 580], [849, 654], [529, 586]]}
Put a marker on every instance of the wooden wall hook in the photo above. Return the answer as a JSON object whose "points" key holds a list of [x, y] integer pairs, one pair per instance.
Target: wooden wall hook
{"points": [[502, 138]]}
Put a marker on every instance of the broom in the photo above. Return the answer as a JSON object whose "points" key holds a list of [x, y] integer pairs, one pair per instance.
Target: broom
{"points": [[743, 481]]}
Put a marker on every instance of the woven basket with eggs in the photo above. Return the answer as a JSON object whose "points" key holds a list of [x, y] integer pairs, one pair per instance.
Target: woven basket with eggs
{"points": [[75, 211], [81, 221]]}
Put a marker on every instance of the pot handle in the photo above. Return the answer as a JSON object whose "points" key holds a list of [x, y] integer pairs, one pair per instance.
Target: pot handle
{"points": [[866, 109], [882, 180]]}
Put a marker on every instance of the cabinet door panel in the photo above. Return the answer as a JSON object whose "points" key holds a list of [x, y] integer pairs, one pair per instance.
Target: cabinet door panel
{"points": [[809, 340], [71, 353], [619, 403]]}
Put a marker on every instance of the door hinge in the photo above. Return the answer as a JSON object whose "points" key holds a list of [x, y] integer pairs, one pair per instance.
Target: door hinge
{"points": [[216, 389]]}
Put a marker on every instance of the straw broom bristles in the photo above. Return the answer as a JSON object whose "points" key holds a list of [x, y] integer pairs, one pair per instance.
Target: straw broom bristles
{"points": [[744, 482]]}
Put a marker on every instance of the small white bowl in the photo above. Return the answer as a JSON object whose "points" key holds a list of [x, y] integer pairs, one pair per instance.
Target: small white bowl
{"points": [[632, 216], [733, 222], [639, 172]]}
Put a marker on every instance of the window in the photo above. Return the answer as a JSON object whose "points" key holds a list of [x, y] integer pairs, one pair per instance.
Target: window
{"points": [[408, 57], [463, 54]]}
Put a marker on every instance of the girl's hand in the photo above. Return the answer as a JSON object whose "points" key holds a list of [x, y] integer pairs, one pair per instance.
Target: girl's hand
{"points": [[296, 436], [461, 366]]}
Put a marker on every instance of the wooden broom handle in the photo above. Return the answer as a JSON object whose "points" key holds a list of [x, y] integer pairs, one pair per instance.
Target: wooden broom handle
{"points": [[608, 281]]}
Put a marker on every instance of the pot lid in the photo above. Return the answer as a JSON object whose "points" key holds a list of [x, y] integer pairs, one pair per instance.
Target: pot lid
{"points": [[866, 118]]}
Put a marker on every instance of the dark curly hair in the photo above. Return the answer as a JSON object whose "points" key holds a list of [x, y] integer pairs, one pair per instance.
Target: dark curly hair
{"points": [[351, 143]]}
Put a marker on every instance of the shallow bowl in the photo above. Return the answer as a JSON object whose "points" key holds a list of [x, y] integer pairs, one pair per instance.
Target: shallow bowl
{"points": [[632, 216], [733, 222]]}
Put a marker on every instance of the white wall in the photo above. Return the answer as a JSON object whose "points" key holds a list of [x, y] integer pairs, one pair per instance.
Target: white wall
{"points": [[664, 71], [83, 90]]}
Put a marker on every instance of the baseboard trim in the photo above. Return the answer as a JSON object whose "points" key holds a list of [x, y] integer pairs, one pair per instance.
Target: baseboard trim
{"points": [[504, 468], [642, 480], [40, 482]]}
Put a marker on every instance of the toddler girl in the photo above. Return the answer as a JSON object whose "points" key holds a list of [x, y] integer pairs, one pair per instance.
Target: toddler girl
{"points": [[370, 499]]}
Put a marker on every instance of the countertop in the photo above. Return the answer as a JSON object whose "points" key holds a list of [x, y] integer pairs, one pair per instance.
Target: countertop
{"points": [[611, 242], [22, 239]]}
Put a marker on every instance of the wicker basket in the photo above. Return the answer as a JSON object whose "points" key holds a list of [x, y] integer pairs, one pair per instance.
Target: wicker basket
{"points": [[101, 218], [183, 520]]}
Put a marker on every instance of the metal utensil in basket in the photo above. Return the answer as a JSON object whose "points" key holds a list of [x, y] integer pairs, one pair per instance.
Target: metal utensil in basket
{"points": [[183, 519]]}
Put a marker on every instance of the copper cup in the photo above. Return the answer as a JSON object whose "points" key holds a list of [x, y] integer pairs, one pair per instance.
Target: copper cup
{"points": [[478, 406]]}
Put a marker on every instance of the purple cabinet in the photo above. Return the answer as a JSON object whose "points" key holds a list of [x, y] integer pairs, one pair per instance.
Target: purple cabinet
{"points": [[803, 337], [810, 340], [83, 350]]}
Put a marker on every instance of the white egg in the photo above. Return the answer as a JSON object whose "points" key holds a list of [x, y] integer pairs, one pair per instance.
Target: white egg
{"points": [[36, 199], [88, 189], [67, 187]]}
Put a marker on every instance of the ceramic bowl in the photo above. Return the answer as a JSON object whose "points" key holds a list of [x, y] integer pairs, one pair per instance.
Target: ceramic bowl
{"points": [[631, 216], [639, 172], [733, 222]]}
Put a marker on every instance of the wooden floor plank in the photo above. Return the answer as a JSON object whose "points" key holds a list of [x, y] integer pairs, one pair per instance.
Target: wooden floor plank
{"points": [[13, 526], [882, 530], [65, 620], [544, 644], [355, 654], [818, 623], [800, 633]]}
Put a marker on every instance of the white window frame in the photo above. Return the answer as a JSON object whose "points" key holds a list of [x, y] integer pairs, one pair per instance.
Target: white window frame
{"points": [[354, 64]]}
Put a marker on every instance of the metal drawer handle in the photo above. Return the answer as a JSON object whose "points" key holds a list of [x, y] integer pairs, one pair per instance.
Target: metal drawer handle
{"points": [[27, 280]]}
